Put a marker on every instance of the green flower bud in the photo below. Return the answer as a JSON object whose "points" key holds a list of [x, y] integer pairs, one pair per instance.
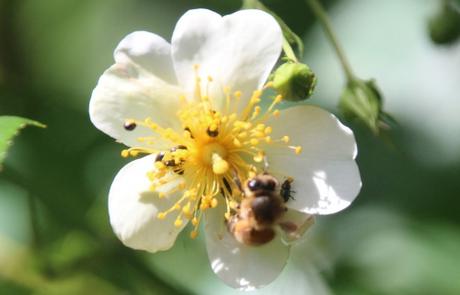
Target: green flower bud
{"points": [[294, 81], [362, 100], [444, 27]]}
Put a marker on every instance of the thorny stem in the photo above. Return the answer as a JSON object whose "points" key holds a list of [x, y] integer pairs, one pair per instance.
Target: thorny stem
{"points": [[323, 18]]}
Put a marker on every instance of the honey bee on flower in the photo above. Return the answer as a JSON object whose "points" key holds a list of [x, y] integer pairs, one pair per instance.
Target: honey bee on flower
{"points": [[191, 113]]}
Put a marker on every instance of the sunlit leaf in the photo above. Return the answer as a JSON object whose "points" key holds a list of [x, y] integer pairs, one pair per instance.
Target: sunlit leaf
{"points": [[9, 128]]}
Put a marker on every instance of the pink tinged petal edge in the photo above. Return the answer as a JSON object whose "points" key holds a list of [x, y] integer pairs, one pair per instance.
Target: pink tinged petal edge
{"points": [[326, 176], [238, 50], [133, 209]]}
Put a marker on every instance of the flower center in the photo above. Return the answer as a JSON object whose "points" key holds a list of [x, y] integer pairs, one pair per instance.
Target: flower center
{"points": [[215, 150]]}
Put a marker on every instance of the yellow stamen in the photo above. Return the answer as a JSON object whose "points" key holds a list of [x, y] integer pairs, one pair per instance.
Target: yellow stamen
{"points": [[213, 147]]}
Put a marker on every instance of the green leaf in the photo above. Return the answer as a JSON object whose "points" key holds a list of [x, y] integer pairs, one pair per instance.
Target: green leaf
{"points": [[9, 128]]}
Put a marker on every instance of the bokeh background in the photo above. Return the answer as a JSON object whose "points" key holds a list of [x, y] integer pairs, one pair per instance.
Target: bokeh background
{"points": [[401, 235]]}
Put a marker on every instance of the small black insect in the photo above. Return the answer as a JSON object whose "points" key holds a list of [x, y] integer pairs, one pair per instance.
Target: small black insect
{"points": [[286, 191]]}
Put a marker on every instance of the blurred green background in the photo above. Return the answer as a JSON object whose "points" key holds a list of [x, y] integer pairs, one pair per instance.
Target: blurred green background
{"points": [[401, 235]]}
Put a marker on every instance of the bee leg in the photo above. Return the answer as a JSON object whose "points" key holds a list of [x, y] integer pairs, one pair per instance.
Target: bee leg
{"points": [[288, 226], [292, 232]]}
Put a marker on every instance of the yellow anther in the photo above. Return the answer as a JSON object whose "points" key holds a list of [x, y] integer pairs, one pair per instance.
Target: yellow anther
{"points": [[161, 215], [186, 209], [213, 127], [214, 203], [260, 127], [268, 139], [124, 153], [227, 215], [176, 206], [178, 223], [268, 84], [278, 98], [243, 134], [276, 113], [285, 139], [193, 234], [254, 141], [298, 150], [237, 94], [161, 195], [268, 130], [233, 204], [247, 125], [236, 142], [159, 165], [195, 221], [152, 188], [259, 157]]}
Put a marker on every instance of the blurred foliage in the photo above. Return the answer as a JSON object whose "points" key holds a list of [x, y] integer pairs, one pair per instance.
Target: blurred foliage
{"points": [[400, 237], [444, 26]]}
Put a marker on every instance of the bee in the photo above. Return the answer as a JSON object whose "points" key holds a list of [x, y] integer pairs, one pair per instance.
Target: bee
{"points": [[260, 210]]}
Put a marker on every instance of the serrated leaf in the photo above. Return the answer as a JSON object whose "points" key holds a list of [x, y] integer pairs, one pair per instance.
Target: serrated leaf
{"points": [[9, 128]]}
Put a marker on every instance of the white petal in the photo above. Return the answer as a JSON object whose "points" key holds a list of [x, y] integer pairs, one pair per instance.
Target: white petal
{"points": [[326, 177], [149, 51], [239, 266], [238, 50], [133, 209], [130, 90]]}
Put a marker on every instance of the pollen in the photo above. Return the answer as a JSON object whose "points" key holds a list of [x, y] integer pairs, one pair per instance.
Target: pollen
{"points": [[216, 145]]}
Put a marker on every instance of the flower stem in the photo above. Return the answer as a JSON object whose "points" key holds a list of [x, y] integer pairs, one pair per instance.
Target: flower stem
{"points": [[323, 18], [289, 51], [288, 35]]}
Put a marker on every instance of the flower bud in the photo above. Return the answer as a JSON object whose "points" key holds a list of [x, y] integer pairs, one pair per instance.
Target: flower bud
{"points": [[444, 27], [362, 100], [294, 81]]}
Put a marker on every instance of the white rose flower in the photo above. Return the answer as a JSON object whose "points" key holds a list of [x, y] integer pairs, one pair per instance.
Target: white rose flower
{"points": [[192, 108]]}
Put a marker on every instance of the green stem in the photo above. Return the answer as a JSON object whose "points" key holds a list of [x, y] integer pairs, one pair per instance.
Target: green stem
{"points": [[289, 51], [288, 35], [323, 18], [33, 217]]}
